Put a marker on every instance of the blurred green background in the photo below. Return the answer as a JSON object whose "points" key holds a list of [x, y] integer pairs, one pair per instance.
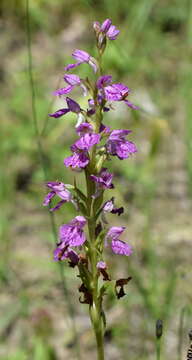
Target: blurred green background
{"points": [[39, 300]]}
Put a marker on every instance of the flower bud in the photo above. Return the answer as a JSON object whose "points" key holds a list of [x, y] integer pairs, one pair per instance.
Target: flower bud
{"points": [[96, 27], [159, 328], [190, 334], [106, 25], [101, 43]]}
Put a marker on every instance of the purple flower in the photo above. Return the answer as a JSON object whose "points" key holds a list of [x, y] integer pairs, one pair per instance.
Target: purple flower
{"points": [[84, 128], [118, 246], [59, 189], [73, 106], [80, 148], [103, 81], [82, 57], [110, 207], [104, 179], [87, 141], [72, 80], [101, 265], [106, 28], [118, 92], [118, 146], [112, 33], [77, 160], [70, 235], [112, 92], [62, 254]]}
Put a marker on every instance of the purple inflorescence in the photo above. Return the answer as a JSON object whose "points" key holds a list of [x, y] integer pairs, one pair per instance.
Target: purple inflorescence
{"points": [[96, 144]]}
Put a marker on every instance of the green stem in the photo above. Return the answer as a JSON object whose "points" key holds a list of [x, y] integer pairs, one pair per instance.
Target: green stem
{"points": [[97, 325], [100, 64], [158, 349], [95, 307]]}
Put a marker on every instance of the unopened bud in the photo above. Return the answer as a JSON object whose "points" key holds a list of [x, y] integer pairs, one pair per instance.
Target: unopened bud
{"points": [[101, 43], [96, 27], [190, 334], [159, 328]]}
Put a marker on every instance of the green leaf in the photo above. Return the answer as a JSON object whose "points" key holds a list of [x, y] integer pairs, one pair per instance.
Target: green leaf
{"points": [[80, 194], [82, 208], [97, 203]]}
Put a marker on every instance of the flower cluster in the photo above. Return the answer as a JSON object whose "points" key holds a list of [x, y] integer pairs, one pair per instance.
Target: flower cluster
{"points": [[96, 144]]}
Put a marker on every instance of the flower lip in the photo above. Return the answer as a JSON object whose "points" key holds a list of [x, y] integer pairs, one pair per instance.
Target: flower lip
{"points": [[116, 92], [77, 160], [117, 145], [72, 234], [118, 246], [87, 141]]}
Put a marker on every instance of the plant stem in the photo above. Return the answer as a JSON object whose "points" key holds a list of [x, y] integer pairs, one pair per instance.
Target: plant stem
{"points": [[158, 349], [95, 307]]}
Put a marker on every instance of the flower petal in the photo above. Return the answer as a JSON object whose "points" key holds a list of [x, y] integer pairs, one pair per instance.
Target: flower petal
{"points": [[59, 204], [87, 141], [72, 66], [115, 231], [73, 105], [106, 25], [101, 265], [81, 55], [72, 79], [48, 198], [63, 91], [120, 247], [103, 81], [59, 113], [112, 33], [132, 106]]}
